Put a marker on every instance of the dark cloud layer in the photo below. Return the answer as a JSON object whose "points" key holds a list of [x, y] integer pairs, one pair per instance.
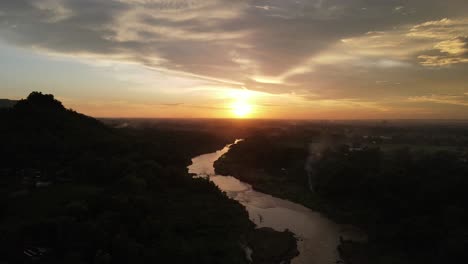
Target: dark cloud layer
{"points": [[318, 48]]}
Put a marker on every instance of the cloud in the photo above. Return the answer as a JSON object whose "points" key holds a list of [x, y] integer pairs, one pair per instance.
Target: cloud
{"points": [[447, 52], [440, 29], [55, 9], [455, 46], [439, 61], [460, 100], [333, 48], [431, 43]]}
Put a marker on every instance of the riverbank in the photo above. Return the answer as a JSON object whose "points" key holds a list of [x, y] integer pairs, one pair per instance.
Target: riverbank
{"points": [[269, 246], [317, 236], [266, 245], [409, 203], [277, 185]]}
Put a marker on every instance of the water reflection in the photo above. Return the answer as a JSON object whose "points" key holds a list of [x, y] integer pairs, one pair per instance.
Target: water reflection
{"points": [[318, 236]]}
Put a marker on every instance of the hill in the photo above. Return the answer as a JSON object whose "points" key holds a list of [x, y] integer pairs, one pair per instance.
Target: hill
{"points": [[73, 190], [5, 103]]}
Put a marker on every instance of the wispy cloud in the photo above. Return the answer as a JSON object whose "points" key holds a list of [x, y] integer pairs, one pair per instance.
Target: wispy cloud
{"points": [[461, 100], [332, 49]]}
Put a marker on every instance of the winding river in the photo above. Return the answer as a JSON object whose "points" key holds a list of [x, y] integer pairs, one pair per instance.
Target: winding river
{"points": [[318, 237]]}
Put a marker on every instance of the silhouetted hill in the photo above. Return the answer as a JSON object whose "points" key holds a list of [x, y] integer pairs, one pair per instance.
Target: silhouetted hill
{"points": [[37, 101], [73, 190], [6, 103], [42, 111], [39, 132]]}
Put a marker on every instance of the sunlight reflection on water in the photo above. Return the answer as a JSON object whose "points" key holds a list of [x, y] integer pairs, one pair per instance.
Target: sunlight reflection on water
{"points": [[318, 236]]}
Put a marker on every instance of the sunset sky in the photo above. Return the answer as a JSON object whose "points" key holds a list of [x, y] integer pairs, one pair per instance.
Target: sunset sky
{"points": [[306, 59]]}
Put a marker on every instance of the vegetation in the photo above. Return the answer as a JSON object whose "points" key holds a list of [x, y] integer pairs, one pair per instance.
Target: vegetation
{"points": [[74, 190], [411, 199], [271, 167], [269, 246], [5, 103]]}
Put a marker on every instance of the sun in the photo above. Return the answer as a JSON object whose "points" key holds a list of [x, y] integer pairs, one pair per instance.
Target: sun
{"points": [[241, 109], [241, 105]]}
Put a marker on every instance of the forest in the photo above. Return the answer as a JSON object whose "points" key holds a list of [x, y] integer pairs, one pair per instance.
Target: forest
{"points": [[75, 190], [405, 186]]}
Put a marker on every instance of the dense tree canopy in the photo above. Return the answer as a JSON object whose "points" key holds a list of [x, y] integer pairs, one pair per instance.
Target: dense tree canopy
{"points": [[411, 199], [76, 191]]}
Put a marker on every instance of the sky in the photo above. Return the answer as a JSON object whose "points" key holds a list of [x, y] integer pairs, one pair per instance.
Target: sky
{"points": [[297, 59]]}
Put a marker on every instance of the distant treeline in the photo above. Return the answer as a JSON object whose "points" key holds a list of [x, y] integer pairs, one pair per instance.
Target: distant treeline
{"points": [[411, 199]]}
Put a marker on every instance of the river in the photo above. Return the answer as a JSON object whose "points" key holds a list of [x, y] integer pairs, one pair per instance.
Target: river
{"points": [[318, 237]]}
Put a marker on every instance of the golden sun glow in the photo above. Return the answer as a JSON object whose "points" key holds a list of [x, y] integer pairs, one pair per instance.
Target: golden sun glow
{"points": [[241, 109], [241, 106]]}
